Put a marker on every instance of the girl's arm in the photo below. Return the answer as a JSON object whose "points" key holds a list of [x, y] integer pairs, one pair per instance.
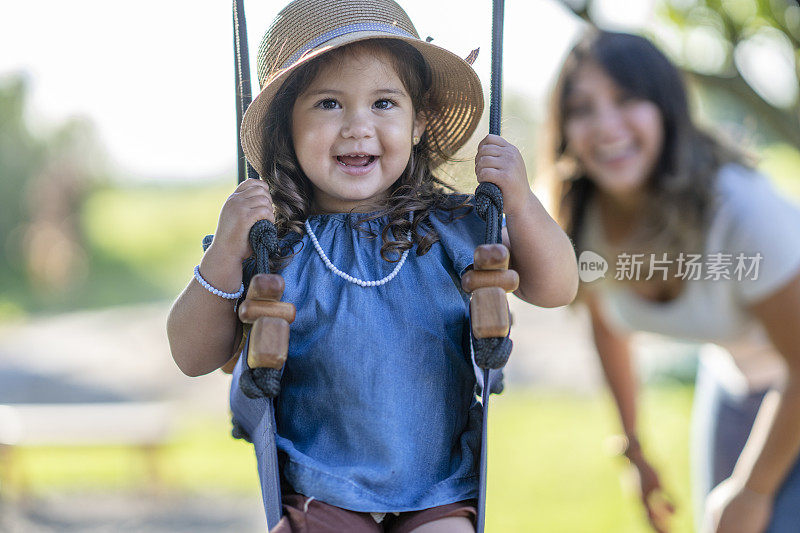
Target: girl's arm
{"points": [[774, 442], [542, 255], [541, 252], [202, 328], [615, 357]]}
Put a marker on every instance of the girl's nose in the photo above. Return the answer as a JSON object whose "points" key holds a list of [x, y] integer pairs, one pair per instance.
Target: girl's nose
{"points": [[357, 124]]}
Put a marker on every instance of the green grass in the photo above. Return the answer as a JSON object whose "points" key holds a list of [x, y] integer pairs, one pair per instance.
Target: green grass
{"points": [[548, 468], [140, 245], [141, 242], [156, 231]]}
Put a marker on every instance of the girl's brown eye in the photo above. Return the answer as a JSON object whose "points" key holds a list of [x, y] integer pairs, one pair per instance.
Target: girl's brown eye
{"points": [[384, 103], [328, 103]]}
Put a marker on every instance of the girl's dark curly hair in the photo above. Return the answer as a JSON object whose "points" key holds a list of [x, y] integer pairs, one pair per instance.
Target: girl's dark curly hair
{"points": [[417, 189]]}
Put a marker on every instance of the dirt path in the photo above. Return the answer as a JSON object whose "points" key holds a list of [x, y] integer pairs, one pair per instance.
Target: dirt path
{"points": [[121, 353], [127, 513]]}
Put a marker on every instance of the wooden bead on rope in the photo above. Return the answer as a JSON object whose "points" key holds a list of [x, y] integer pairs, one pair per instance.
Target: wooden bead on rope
{"points": [[508, 280], [266, 287], [250, 310], [488, 306], [269, 336], [269, 343], [491, 257], [263, 299]]}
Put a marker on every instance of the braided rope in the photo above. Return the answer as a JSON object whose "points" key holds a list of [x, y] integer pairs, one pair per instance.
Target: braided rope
{"points": [[255, 382], [260, 382], [238, 432], [490, 353], [244, 94], [489, 205], [264, 242]]}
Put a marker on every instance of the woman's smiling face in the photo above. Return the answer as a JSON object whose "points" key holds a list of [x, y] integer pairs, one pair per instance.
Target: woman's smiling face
{"points": [[352, 131], [616, 137]]}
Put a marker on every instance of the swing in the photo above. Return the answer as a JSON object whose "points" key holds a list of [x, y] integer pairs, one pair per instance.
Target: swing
{"points": [[267, 319]]}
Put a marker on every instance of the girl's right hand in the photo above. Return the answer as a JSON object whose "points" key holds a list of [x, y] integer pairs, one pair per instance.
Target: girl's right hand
{"points": [[248, 204], [655, 500]]}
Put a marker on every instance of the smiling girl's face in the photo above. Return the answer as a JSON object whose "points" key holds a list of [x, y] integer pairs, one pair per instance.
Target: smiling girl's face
{"points": [[617, 138], [352, 131]]}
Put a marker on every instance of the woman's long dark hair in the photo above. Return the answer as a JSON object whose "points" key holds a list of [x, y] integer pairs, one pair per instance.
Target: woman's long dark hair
{"points": [[417, 189], [679, 192]]}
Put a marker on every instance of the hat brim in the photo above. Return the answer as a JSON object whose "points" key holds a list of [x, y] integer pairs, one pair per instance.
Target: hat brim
{"points": [[457, 86]]}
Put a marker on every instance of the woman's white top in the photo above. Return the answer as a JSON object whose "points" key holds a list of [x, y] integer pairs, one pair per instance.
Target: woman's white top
{"points": [[749, 219]]}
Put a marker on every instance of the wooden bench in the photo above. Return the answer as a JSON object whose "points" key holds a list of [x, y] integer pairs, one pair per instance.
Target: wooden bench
{"points": [[143, 425]]}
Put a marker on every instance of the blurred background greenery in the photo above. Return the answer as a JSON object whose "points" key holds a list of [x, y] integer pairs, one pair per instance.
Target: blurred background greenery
{"points": [[75, 236], [550, 463], [71, 229]]}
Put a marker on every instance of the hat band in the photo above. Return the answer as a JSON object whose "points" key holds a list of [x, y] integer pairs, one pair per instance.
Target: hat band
{"points": [[344, 30]]}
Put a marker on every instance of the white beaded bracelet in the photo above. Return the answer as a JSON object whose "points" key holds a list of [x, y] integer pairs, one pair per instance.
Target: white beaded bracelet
{"points": [[210, 288]]}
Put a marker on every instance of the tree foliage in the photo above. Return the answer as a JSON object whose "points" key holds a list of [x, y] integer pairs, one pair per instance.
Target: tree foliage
{"points": [[44, 178], [20, 154], [737, 33]]}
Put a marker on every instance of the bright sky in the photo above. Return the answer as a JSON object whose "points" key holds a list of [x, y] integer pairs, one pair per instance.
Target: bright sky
{"points": [[156, 76]]}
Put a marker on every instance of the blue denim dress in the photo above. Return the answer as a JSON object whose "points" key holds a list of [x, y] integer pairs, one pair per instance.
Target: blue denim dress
{"points": [[377, 410]]}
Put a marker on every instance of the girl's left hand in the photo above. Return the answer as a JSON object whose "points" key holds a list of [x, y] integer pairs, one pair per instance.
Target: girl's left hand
{"points": [[499, 162], [733, 508]]}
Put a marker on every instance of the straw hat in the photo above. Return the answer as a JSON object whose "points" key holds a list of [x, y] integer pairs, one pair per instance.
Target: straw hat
{"points": [[306, 29]]}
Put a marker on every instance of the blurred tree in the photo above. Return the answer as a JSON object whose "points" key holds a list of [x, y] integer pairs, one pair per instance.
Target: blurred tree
{"points": [[747, 49], [44, 180], [20, 156], [53, 242]]}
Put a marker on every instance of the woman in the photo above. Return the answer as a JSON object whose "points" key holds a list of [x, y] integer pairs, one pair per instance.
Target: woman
{"points": [[701, 248]]}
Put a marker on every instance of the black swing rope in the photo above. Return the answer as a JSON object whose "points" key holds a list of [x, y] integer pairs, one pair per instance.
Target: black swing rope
{"points": [[489, 353], [255, 382], [244, 94]]}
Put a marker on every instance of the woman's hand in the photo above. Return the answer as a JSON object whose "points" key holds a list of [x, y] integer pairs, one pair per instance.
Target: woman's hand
{"points": [[499, 162], [655, 500], [733, 508], [249, 203]]}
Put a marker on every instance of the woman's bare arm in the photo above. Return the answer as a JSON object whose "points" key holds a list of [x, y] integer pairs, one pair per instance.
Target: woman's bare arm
{"points": [[615, 358], [774, 442]]}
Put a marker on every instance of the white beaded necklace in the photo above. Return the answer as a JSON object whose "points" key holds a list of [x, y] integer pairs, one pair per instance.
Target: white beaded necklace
{"points": [[348, 277]]}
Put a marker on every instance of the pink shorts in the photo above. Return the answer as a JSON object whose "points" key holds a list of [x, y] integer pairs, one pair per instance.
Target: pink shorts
{"points": [[307, 515]]}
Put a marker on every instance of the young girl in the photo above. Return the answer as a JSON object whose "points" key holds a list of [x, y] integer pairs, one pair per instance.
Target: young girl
{"points": [[377, 422], [719, 263]]}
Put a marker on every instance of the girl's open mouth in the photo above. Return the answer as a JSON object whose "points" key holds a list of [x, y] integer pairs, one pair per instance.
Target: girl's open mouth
{"points": [[356, 165], [355, 160]]}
